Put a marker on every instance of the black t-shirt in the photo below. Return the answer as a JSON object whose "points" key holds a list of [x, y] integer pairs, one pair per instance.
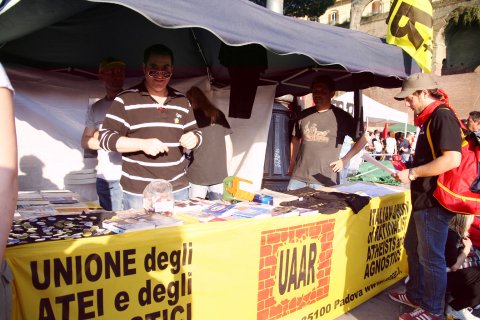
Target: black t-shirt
{"points": [[445, 135]]}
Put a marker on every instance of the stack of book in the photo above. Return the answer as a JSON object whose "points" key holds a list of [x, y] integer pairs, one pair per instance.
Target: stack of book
{"points": [[245, 210], [198, 210], [31, 204], [136, 220]]}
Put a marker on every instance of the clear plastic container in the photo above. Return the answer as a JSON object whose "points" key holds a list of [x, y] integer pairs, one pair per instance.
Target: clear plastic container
{"points": [[158, 197]]}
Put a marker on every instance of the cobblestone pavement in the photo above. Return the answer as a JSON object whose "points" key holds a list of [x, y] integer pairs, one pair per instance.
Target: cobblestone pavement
{"points": [[381, 307]]}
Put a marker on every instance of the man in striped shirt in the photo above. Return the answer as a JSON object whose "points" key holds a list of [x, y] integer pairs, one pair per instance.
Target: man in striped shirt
{"points": [[151, 125]]}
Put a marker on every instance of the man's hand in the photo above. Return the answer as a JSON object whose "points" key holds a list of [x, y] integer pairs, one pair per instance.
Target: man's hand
{"points": [[468, 245], [337, 166], [401, 176], [189, 140], [153, 147]]}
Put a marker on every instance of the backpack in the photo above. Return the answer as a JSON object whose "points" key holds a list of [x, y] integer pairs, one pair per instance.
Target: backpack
{"points": [[458, 190]]}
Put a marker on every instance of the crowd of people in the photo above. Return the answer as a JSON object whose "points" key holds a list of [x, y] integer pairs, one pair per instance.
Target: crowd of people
{"points": [[396, 146], [151, 131]]}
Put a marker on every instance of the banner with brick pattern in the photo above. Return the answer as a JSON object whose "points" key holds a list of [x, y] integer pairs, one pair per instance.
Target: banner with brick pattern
{"points": [[302, 268]]}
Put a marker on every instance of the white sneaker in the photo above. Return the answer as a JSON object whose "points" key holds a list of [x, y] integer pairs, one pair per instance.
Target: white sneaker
{"points": [[464, 314]]}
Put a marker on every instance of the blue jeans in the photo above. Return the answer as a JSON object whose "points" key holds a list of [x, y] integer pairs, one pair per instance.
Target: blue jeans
{"points": [[109, 194], [214, 191], [297, 184], [425, 246], [131, 201]]}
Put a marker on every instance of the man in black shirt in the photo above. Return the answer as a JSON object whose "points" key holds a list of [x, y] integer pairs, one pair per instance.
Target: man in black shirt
{"points": [[428, 227]]}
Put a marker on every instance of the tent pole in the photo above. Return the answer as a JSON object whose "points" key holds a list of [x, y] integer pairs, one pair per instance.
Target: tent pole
{"points": [[358, 112], [200, 50]]}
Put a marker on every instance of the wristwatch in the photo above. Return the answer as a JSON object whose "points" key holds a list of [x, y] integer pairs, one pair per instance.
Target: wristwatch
{"points": [[411, 175]]}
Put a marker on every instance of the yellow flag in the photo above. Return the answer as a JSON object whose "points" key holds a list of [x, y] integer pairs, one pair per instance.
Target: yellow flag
{"points": [[410, 26]]}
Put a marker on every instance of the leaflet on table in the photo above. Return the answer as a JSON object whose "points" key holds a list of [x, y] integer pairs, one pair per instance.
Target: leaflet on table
{"points": [[290, 211], [60, 195], [369, 189], [284, 211], [31, 203], [35, 212], [46, 197], [59, 191], [192, 204], [134, 221], [377, 163], [219, 209], [124, 227], [239, 210], [29, 195], [278, 197], [251, 210]]}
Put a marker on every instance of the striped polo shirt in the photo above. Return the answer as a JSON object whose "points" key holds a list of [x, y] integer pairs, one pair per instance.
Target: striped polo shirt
{"points": [[135, 114]]}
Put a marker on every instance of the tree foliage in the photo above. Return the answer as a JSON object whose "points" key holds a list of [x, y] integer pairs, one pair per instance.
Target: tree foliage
{"points": [[462, 17], [300, 8]]}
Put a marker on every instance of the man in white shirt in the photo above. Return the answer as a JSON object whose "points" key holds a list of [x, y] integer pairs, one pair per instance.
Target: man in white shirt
{"points": [[109, 168]]}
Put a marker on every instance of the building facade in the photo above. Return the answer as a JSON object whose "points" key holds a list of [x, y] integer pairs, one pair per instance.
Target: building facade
{"points": [[456, 45]]}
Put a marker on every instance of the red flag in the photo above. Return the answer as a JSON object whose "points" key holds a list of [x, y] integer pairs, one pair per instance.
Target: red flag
{"points": [[385, 131]]}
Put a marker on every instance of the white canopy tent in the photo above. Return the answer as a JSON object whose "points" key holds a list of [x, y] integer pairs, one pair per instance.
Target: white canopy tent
{"points": [[373, 111], [74, 35], [50, 111]]}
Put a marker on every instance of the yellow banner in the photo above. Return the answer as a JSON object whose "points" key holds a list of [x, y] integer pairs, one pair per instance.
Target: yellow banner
{"points": [[410, 26], [301, 268]]}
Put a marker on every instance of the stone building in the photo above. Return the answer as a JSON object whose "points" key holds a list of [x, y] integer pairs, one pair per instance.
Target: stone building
{"points": [[456, 42]]}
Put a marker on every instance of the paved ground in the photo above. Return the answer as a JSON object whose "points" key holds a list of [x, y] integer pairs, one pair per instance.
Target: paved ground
{"points": [[381, 307]]}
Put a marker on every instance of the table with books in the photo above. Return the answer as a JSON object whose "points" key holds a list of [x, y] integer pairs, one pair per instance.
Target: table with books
{"points": [[309, 257]]}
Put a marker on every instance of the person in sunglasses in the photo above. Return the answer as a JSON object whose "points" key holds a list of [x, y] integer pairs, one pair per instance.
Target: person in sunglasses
{"points": [[152, 125]]}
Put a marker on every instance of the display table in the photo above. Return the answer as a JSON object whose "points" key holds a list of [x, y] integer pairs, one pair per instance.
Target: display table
{"points": [[307, 267]]}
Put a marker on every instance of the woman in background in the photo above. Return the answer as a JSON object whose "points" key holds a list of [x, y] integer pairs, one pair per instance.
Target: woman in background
{"points": [[463, 261], [208, 164]]}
